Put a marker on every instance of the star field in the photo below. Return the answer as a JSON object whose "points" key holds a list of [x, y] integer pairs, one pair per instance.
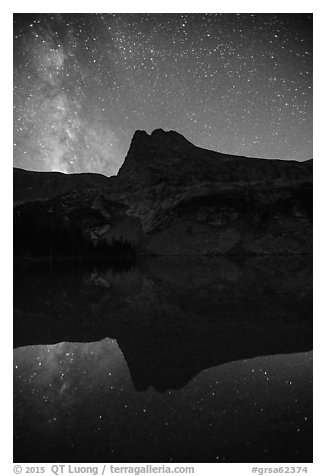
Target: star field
{"points": [[225, 405], [234, 83]]}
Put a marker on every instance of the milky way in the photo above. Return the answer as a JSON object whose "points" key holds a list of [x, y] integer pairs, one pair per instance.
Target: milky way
{"points": [[234, 83]]}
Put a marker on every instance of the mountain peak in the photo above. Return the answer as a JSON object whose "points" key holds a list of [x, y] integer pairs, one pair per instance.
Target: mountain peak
{"points": [[165, 140], [168, 157]]}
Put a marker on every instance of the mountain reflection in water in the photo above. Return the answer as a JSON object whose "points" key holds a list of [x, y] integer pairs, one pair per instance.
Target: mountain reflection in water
{"points": [[175, 360]]}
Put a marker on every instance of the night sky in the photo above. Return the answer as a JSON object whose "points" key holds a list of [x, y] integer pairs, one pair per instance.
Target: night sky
{"points": [[234, 83]]}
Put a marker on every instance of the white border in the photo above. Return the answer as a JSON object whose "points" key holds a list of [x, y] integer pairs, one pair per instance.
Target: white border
{"points": [[277, 6]]}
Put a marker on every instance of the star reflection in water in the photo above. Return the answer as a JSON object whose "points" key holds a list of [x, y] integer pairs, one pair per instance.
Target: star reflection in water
{"points": [[195, 362]]}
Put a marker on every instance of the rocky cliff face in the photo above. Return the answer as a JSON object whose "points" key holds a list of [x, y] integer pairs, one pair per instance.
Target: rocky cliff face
{"points": [[168, 157], [177, 199]]}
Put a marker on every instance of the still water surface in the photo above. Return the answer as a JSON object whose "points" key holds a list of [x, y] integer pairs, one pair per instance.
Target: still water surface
{"points": [[175, 360]]}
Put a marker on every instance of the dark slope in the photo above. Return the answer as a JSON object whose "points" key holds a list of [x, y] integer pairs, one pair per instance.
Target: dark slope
{"points": [[30, 185], [176, 198], [168, 156], [193, 201]]}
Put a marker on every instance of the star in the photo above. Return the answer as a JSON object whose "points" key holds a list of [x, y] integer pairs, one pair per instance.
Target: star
{"points": [[83, 83]]}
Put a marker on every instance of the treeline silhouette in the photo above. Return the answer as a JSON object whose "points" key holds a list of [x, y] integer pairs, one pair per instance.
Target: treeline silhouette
{"points": [[58, 239]]}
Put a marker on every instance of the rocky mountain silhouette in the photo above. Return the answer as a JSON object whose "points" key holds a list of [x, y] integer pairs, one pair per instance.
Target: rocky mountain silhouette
{"points": [[169, 197]]}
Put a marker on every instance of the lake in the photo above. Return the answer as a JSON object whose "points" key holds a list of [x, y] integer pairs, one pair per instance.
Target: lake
{"points": [[167, 360]]}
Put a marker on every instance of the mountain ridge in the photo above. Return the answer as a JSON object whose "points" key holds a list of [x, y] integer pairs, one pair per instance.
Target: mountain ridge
{"points": [[172, 197], [201, 164]]}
